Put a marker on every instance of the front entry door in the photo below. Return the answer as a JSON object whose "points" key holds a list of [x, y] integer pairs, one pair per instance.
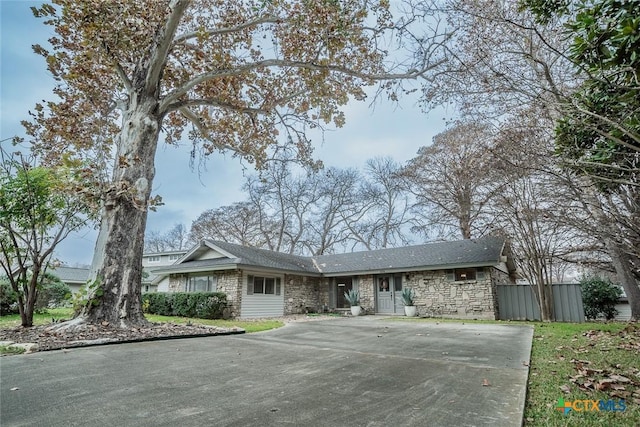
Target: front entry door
{"points": [[389, 294], [385, 294]]}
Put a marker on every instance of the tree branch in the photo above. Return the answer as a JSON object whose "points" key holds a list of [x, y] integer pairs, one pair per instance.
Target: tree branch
{"points": [[228, 30], [173, 96], [159, 54]]}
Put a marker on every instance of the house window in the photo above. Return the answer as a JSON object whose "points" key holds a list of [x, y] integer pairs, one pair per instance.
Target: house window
{"points": [[201, 284], [174, 257], [465, 274], [155, 258], [263, 285]]}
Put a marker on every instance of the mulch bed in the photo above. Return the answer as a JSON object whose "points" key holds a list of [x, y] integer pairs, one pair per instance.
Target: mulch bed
{"points": [[47, 338]]}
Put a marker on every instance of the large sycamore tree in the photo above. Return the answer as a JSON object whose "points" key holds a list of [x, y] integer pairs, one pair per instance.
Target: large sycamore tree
{"points": [[239, 76]]}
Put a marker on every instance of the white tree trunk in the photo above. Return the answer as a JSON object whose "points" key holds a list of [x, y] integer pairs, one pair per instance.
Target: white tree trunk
{"points": [[117, 262]]}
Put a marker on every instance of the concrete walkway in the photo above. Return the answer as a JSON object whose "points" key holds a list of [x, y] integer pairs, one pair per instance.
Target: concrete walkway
{"points": [[367, 371]]}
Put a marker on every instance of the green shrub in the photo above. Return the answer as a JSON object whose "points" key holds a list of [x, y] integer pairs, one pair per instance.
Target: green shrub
{"points": [[52, 293], [8, 299], [157, 303], [212, 306], [599, 297], [203, 305]]}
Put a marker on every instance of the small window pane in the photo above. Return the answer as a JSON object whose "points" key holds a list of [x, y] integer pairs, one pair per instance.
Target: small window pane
{"points": [[250, 285], [465, 274], [269, 286], [258, 285], [397, 283]]}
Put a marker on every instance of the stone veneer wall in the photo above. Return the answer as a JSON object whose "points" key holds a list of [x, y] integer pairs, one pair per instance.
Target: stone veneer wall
{"points": [[499, 277], [436, 296], [304, 294], [367, 292], [228, 282]]}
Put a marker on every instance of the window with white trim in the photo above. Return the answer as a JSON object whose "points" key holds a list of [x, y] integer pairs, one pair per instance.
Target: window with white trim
{"points": [[155, 258], [263, 285], [201, 283], [174, 257]]}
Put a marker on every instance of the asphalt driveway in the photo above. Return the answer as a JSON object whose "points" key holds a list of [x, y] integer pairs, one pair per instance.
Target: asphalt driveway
{"points": [[367, 371]]}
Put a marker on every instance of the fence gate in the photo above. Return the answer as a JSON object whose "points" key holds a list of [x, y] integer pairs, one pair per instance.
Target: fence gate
{"points": [[518, 302]]}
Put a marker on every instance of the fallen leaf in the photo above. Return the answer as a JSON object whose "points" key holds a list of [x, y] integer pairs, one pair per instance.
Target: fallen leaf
{"points": [[525, 363], [485, 383], [565, 389], [619, 378], [15, 388]]}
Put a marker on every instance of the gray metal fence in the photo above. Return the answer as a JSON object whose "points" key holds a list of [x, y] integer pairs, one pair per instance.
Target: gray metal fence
{"points": [[518, 302]]}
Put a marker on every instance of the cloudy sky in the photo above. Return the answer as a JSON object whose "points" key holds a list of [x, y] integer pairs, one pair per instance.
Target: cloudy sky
{"points": [[381, 130]]}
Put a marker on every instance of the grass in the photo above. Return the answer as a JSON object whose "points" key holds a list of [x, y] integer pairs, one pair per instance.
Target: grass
{"points": [[9, 349], [572, 360], [248, 325], [13, 320]]}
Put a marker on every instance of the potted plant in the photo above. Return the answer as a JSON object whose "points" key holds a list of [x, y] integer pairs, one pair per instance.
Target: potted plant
{"points": [[408, 297], [353, 298]]}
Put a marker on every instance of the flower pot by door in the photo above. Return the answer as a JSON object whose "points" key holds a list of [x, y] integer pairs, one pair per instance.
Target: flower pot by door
{"points": [[355, 310], [410, 310]]}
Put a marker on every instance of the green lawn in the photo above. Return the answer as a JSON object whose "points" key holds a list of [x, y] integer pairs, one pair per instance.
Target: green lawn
{"points": [[13, 320], [584, 361], [574, 361]]}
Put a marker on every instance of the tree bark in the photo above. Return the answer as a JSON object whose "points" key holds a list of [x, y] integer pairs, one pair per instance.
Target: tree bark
{"points": [[117, 264], [622, 265]]}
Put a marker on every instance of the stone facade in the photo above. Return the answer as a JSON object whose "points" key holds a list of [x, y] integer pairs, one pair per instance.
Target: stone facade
{"points": [[304, 294], [499, 277], [367, 292], [437, 296]]}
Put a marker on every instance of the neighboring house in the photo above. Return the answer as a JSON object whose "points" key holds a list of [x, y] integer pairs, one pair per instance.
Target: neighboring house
{"points": [[450, 279], [75, 278], [151, 261]]}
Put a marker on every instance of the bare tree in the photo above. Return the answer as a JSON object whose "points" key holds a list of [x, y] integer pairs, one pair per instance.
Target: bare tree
{"points": [[506, 62], [453, 180], [237, 223], [385, 205], [338, 206], [174, 239]]}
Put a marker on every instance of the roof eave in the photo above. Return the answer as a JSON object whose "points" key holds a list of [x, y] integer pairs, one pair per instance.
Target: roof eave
{"points": [[392, 270]]}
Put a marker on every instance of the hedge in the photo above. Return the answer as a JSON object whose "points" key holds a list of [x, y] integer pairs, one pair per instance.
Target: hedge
{"points": [[201, 305]]}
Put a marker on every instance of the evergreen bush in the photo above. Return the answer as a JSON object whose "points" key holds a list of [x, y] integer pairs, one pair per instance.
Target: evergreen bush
{"points": [[202, 305], [599, 297]]}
